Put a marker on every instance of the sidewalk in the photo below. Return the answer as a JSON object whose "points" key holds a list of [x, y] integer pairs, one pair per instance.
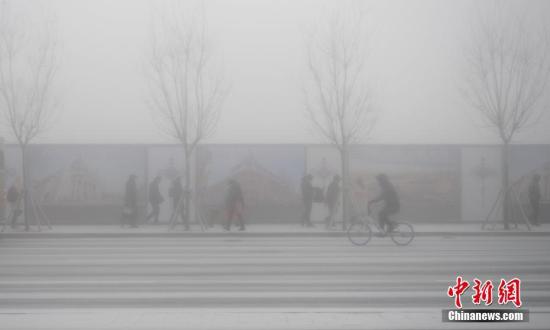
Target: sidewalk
{"points": [[261, 230], [246, 319]]}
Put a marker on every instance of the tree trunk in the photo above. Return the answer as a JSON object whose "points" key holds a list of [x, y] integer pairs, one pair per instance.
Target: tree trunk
{"points": [[26, 191], [187, 192], [344, 158], [505, 185]]}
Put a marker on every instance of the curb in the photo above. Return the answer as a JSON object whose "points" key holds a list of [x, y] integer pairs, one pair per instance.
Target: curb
{"points": [[258, 234]]}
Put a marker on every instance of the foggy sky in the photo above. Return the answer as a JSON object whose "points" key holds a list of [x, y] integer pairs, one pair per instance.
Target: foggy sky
{"points": [[415, 65]]}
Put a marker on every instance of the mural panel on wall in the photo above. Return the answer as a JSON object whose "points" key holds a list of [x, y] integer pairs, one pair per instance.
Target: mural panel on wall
{"points": [[269, 176], [323, 163], [12, 163], [167, 162], [426, 177], [480, 182], [84, 184], [525, 162]]}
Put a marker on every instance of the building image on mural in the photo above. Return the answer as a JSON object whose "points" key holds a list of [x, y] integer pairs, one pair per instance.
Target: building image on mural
{"points": [[427, 178], [84, 184], [76, 183], [269, 178]]}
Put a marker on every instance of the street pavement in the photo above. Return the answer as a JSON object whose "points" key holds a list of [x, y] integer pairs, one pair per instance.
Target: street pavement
{"points": [[233, 281], [265, 230]]}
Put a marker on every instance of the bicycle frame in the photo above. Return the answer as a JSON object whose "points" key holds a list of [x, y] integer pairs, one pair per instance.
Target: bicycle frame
{"points": [[360, 231], [366, 217]]}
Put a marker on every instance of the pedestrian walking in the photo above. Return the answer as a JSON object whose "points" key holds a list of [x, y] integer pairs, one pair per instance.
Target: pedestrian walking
{"points": [[14, 198], [155, 199], [177, 194], [307, 200], [234, 204], [130, 201], [534, 199], [332, 201]]}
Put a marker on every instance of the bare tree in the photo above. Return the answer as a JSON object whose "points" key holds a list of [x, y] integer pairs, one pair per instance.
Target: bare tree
{"points": [[338, 101], [507, 75], [186, 89], [27, 72]]}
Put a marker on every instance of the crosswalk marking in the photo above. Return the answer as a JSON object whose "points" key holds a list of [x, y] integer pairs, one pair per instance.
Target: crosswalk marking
{"points": [[263, 274]]}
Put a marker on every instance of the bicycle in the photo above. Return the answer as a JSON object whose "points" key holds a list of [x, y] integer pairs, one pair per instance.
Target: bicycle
{"points": [[360, 233]]}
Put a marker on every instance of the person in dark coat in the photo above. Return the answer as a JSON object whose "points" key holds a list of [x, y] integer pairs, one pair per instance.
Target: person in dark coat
{"points": [[307, 199], [177, 194], [14, 198], [332, 201], [389, 196], [155, 199], [234, 204], [534, 199], [131, 200]]}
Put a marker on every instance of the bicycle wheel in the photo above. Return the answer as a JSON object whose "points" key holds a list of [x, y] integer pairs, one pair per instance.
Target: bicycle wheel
{"points": [[359, 233], [402, 233]]}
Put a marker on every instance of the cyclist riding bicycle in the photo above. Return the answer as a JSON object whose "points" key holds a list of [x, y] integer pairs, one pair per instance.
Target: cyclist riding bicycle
{"points": [[389, 196]]}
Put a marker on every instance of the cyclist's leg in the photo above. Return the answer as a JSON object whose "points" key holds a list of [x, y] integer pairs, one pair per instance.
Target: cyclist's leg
{"points": [[383, 218], [330, 217], [333, 212], [391, 224]]}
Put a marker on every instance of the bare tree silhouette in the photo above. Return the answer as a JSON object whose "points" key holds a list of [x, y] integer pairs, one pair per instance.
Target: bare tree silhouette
{"points": [[338, 99], [28, 67], [508, 69], [187, 90]]}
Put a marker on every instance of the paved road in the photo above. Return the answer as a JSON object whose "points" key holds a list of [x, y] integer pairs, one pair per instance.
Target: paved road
{"points": [[257, 283]]}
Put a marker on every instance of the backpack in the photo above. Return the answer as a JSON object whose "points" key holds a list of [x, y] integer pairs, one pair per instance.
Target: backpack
{"points": [[13, 195]]}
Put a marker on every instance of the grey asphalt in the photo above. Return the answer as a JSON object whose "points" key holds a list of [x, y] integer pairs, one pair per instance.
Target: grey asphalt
{"points": [[258, 282], [275, 230]]}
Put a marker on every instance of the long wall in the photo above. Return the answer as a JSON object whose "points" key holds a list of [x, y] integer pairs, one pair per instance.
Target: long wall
{"points": [[84, 184]]}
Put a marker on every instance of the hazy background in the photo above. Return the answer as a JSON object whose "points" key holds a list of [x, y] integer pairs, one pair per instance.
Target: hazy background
{"points": [[416, 59]]}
